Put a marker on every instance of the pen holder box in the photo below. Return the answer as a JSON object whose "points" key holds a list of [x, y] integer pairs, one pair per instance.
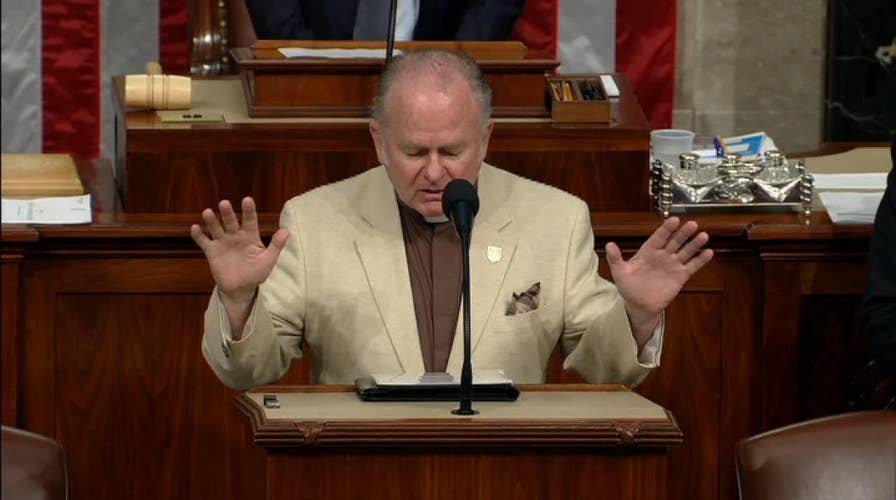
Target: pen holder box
{"points": [[578, 98]]}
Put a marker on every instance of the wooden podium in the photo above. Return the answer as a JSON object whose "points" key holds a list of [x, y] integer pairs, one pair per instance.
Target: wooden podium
{"points": [[185, 167], [276, 86], [569, 441], [100, 345]]}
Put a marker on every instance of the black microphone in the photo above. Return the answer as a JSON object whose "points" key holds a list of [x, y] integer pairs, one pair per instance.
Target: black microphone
{"points": [[460, 203]]}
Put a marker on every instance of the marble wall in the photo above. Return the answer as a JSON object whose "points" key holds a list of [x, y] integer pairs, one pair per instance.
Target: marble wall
{"points": [[861, 98], [749, 65]]}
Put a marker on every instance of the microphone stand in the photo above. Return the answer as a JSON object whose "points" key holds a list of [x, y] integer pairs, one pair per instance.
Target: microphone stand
{"points": [[460, 202], [466, 374], [390, 39]]}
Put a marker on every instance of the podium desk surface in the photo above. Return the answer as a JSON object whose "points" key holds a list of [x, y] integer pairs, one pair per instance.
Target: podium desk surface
{"points": [[531, 405], [607, 415]]}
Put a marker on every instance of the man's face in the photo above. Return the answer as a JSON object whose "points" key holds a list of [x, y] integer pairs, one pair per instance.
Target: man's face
{"points": [[434, 134]]}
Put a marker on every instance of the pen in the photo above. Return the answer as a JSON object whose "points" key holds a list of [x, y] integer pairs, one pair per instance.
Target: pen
{"points": [[567, 91], [554, 87], [720, 150]]}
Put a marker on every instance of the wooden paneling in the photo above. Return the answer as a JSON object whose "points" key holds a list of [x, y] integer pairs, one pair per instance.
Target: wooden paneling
{"points": [[135, 400], [691, 358], [621, 184], [844, 276], [192, 181], [812, 330], [115, 373], [165, 167], [465, 474], [292, 87], [111, 331], [15, 241], [738, 357], [319, 89], [779, 376], [49, 281], [833, 351], [710, 324], [101, 332], [10, 345]]}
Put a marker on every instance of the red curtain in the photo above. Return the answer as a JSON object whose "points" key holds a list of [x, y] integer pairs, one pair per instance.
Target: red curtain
{"points": [[174, 36], [71, 76], [645, 54], [537, 27]]}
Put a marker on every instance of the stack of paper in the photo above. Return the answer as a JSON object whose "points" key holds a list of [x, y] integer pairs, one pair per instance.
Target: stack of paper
{"points": [[851, 208], [876, 181], [855, 196], [43, 189], [61, 210]]}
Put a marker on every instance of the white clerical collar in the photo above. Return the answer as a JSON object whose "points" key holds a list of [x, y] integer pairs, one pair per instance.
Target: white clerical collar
{"points": [[437, 219]]}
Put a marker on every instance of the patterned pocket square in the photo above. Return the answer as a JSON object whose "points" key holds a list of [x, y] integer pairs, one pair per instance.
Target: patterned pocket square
{"points": [[524, 302]]}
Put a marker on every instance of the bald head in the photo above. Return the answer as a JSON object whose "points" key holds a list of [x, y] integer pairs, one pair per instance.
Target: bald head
{"points": [[431, 125], [436, 69]]}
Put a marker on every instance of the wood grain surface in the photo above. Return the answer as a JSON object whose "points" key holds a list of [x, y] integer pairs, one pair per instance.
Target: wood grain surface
{"points": [[102, 324], [163, 167]]}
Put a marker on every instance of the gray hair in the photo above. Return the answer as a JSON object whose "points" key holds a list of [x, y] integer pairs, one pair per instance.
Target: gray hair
{"points": [[442, 63]]}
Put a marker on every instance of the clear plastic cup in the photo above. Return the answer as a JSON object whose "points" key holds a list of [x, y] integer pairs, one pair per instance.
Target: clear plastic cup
{"points": [[666, 144]]}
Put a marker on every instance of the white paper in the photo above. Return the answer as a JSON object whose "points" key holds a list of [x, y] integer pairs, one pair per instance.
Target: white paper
{"points": [[851, 208], [479, 377], [610, 85], [851, 181], [336, 53], [58, 210]]}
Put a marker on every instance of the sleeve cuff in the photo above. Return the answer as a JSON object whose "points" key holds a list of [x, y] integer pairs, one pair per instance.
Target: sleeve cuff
{"points": [[224, 321], [649, 357]]}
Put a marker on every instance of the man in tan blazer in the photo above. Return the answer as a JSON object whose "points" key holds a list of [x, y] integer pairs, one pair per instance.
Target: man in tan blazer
{"points": [[336, 275]]}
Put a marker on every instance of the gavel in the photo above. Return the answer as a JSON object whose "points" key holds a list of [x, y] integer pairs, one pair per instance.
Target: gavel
{"points": [[157, 91]]}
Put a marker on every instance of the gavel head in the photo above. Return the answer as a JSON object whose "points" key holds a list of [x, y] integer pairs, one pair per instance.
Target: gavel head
{"points": [[157, 91]]}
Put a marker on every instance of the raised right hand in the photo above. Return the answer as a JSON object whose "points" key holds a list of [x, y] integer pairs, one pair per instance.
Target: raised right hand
{"points": [[238, 260]]}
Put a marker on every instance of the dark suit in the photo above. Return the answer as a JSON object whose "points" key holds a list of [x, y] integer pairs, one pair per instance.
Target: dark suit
{"points": [[880, 298], [335, 19]]}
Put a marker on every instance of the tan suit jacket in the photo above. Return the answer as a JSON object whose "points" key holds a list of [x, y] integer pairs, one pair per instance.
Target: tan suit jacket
{"points": [[342, 285]]}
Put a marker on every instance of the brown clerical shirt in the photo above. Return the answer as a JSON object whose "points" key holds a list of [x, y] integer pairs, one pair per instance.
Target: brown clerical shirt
{"points": [[435, 266]]}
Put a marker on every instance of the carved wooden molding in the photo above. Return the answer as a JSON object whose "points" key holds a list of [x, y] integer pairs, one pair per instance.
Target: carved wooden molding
{"points": [[459, 432]]}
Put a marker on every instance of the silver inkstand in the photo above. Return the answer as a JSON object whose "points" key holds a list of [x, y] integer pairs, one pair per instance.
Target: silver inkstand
{"points": [[731, 183]]}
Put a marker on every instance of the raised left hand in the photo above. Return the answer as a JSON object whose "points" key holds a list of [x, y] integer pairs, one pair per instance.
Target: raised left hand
{"points": [[652, 278]]}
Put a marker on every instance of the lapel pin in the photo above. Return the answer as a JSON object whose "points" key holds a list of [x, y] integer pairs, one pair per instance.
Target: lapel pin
{"points": [[494, 254]]}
